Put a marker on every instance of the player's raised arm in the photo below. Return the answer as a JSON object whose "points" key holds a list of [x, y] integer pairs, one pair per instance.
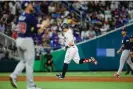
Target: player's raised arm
{"points": [[40, 27], [45, 23]]}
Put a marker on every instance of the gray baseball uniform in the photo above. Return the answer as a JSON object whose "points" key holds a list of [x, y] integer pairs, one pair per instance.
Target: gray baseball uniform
{"points": [[25, 46], [125, 56]]}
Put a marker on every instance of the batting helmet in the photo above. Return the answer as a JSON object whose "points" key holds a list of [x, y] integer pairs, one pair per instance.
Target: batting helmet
{"points": [[65, 25], [124, 29]]}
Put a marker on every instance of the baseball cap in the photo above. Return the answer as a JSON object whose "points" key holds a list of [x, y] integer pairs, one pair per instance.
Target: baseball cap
{"points": [[124, 29], [24, 4], [131, 36], [65, 25]]}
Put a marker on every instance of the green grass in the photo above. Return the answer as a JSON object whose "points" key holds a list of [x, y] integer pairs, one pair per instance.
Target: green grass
{"points": [[100, 74], [72, 85]]}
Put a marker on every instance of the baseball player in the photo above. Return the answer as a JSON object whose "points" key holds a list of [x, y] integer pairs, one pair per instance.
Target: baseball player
{"points": [[125, 49], [131, 53], [25, 44], [71, 51]]}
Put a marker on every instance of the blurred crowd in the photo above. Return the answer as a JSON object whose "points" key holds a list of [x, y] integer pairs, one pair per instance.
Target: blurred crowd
{"points": [[102, 16], [96, 18], [51, 36]]}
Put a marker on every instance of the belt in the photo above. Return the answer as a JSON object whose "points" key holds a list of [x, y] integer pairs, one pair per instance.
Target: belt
{"points": [[25, 36], [69, 46]]}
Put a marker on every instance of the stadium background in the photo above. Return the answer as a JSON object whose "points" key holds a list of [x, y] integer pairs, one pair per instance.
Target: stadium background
{"points": [[101, 42]]}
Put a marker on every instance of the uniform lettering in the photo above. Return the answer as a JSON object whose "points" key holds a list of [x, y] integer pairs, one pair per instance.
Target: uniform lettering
{"points": [[122, 41], [22, 27], [127, 40]]}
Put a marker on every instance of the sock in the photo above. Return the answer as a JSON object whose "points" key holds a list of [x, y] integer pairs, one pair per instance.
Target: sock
{"points": [[18, 70], [84, 61], [65, 67]]}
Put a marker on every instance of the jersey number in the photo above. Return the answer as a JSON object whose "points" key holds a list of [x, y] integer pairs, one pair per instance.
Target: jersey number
{"points": [[22, 27]]}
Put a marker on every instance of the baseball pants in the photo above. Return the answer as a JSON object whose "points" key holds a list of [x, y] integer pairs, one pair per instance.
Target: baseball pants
{"points": [[72, 54], [125, 57], [26, 52]]}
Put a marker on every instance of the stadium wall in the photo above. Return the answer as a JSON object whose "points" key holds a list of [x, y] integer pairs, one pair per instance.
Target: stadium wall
{"points": [[103, 48]]}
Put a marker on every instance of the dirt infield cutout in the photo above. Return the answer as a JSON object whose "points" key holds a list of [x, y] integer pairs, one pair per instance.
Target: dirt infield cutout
{"points": [[73, 79]]}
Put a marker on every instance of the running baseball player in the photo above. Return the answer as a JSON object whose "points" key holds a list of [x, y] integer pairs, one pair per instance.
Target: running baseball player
{"points": [[25, 44], [131, 53], [131, 50], [71, 51], [125, 56]]}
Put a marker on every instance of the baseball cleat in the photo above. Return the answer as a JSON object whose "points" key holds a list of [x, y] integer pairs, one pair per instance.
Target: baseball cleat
{"points": [[13, 81], [35, 87], [94, 60], [59, 76], [116, 75]]}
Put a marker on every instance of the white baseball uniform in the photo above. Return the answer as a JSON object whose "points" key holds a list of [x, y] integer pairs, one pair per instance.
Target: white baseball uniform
{"points": [[72, 51]]}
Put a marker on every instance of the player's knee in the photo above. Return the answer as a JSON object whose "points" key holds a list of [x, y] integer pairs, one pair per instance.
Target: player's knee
{"points": [[77, 61]]}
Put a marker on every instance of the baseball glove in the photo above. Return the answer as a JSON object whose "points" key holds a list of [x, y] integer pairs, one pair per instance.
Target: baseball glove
{"points": [[131, 54]]}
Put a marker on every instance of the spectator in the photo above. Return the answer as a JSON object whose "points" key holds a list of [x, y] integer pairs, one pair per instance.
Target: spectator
{"points": [[116, 4], [18, 8], [55, 15], [48, 61], [44, 8], [2, 27], [37, 7], [46, 39], [84, 35], [13, 25], [55, 40], [112, 6], [61, 39], [66, 12], [126, 19], [101, 15], [130, 11], [6, 7], [51, 8], [4, 18], [91, 33], [54, 26], [77, 36], [59, 21], [115, 14], [107, 13], [12, 8], [6, 56], [8, 30], [76, 5], [105, 28]]}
